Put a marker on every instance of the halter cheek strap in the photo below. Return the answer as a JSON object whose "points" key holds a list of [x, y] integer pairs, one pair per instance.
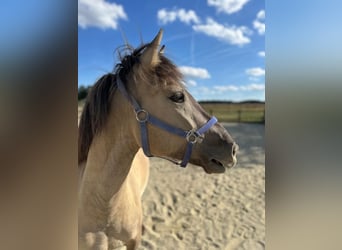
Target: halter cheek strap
{"points": [[143, 117]]}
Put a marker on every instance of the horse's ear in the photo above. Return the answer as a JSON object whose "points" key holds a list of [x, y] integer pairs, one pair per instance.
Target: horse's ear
{"points": [[162, 49], [150, 56]]}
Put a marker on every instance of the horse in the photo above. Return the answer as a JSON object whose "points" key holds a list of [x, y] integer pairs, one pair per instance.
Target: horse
{"points": [[141, 109]]}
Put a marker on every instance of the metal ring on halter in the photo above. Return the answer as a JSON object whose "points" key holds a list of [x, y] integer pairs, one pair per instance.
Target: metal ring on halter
{"points": [[192, 136], [138, 112]]}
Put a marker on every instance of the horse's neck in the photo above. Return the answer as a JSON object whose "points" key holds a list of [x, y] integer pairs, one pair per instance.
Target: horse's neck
{"points": [[108, 164], [106, 170]]}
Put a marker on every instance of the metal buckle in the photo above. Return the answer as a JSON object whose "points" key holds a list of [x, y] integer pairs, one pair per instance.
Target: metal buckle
{"points": [[192, 136], [144, 117]]}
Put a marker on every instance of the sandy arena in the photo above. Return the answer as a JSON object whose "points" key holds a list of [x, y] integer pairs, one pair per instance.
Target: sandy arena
{"points": [[189, 209]]}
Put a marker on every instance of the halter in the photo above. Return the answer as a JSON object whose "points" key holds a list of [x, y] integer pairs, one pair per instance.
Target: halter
{"points": [[143, 117]]}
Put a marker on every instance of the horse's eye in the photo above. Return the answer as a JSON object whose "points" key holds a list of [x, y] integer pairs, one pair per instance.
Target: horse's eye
{"points": [[177, 97]]}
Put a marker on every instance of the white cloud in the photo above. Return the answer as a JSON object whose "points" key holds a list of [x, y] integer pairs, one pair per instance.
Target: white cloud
{"points": [[261, 53], [259, 26], [250, 87], [230, 34], [184, 16], [191, 83], [253, 87], [194, 72], [100, 14], [261, 15], [258, 23], [228, 6], [255, 72], [226, 88]]}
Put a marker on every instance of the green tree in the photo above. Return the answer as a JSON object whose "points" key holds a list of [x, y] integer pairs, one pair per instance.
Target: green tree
{"points": [[82, 92]]}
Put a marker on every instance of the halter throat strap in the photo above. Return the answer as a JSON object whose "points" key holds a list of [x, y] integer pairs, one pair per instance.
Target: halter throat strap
{"points": [[143, 117]]}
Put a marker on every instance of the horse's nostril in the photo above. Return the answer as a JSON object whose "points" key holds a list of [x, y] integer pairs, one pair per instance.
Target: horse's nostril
{"points": [[235, 148]]}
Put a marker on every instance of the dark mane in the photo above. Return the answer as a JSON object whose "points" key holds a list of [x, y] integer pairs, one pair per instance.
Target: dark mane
{"points": [[94, 113], [97, 104]]}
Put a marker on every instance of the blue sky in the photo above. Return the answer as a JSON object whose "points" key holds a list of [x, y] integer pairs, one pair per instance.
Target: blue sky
{"points": [[219, 45]]}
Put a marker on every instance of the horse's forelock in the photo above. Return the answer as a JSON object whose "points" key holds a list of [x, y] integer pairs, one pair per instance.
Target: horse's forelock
{"points": [[167, 72]]}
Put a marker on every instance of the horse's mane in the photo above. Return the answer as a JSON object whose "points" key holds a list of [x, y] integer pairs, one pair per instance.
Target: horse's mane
{"points": [[97, 104]]}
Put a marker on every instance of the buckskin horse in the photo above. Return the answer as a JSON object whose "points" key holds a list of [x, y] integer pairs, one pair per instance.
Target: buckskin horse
{"points": [[140, 110]]}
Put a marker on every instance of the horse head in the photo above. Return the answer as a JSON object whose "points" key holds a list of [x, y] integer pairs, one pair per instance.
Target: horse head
{"points": [[155, 88]]}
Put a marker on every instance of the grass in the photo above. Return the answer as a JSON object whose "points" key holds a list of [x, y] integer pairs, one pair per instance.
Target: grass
{"points": [[236, 112], [251, 112]]}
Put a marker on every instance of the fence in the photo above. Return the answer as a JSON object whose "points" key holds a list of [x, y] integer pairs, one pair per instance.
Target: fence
{"points": [[237, 112]]}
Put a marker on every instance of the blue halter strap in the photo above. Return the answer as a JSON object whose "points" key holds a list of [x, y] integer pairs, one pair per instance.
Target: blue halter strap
{"points": [[143, 117]]}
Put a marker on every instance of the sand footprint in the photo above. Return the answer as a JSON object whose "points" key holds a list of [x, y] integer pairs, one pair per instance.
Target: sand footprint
{"points": [[243, 231]]}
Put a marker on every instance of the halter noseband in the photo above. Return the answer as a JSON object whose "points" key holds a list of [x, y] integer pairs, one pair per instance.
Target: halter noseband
{"points": [[142, 116]]}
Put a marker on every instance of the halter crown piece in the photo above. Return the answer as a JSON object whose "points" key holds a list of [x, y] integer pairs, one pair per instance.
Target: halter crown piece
{"points": [[143, 117]]}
